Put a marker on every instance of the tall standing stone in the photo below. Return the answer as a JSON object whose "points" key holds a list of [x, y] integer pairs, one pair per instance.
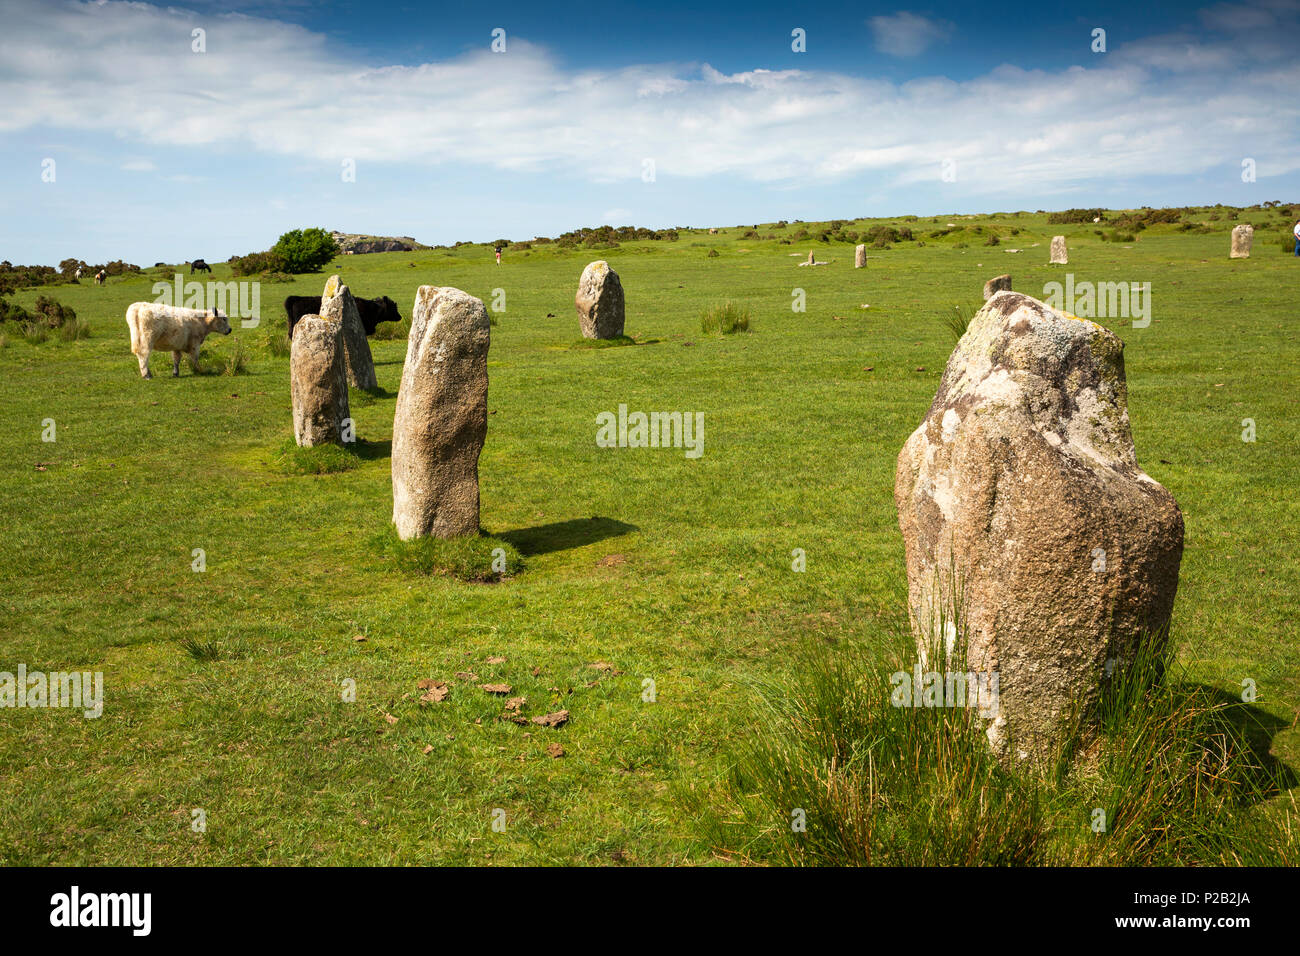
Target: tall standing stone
{"points": [[318, 383], [600, 302], [338, 305], [1059, 256], [441, 418], [995, 285], [1242, 237], [860, 255], [1026, 519]]}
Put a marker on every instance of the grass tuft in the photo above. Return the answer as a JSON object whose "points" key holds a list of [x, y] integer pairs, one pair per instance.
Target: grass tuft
{"points": [[476, 558], [293, 459], [958, 318], [725, 319]]}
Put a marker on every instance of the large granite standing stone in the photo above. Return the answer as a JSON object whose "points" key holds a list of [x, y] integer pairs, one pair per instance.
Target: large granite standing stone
{"points": [[600, 302], [1028, 522], [318, 382], [995, 285], [338, 304], [441, 418], [1059, 255], [1242, 237], [860, 255]]}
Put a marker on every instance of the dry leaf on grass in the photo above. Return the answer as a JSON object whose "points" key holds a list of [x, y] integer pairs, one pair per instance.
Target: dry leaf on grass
{"points": [[390, 718], [605, 667], [496, 660]]}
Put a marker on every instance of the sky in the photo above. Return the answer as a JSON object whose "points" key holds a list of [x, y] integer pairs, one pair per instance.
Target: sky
{"points": [[126, 134]]}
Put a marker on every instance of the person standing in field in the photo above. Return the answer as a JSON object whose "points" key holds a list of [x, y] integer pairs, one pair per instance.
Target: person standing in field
{"points": [[499, 248], [1297, 238]]}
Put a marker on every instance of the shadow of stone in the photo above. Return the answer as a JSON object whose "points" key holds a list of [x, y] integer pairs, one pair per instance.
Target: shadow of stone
{"points": [[1255, 728], [372, 450], [562, 535]]}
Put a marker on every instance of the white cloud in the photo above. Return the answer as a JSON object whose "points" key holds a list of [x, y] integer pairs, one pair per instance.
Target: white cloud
{"points": [[125, 71], [139, 166], [616, 217], [908, 34]]}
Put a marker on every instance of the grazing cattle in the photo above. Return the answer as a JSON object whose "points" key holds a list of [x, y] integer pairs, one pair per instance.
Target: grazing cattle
{"points": [[373, 311], [198, 265], [78, 275], [170, 328], [100, 276]]}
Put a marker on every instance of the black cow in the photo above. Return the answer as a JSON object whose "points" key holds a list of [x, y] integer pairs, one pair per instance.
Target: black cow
{"points": [[198, 265], [373, 311]]}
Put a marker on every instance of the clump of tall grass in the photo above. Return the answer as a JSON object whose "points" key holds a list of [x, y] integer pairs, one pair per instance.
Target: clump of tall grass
{"points": [[234, 361], [832, 773], [958, 318], [726, 319], [476, 558], [74, 330], [327, 459]]}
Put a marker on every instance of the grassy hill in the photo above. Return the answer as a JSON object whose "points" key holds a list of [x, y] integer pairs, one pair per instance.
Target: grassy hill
{"points": [[223, 688]]}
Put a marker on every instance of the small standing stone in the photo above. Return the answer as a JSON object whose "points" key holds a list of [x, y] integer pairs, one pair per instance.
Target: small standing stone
{"points": [[1059, 256], [860, 255], [441, 418], [1242, 237], [338, 305], [600, 302], [812, 261], [317, 382], [995, 285]]}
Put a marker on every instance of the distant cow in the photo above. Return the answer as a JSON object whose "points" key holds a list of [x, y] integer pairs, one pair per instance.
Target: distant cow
{"points": [[170, 328], [100, 276], [373, 311], [198, 265]]}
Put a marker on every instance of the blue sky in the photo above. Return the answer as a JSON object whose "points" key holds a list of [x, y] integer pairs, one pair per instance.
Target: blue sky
{"points": [[162, 152]]}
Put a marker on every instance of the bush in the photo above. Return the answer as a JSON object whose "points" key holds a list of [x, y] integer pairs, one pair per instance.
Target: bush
{"points": [[1072, 216], [258, 262], [305, 250], [51, 314], [726, 319]]}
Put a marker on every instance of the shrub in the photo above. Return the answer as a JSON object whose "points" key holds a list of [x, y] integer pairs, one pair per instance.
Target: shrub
{"points": [[991, 241], [258, 262], [305, 250], [51, 314], [726, 319], [1070, 216]]}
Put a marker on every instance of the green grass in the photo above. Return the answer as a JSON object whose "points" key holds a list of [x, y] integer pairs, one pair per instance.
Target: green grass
{"points": [[327, 459], [469, 558], [726, 319], [666, 569]]}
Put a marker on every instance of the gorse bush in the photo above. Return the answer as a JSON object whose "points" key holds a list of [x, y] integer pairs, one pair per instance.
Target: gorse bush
{"points": [[725, 319], [305, 250]]}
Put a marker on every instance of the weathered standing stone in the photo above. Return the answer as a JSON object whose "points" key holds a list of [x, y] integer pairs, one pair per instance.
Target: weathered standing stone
{"points": [[317, 382], [441, 417], [600, 302], [1242, 237], [338, 305], [860, 255], [1000, 283], [812, 260], [1059, 255], [1022, 506]]}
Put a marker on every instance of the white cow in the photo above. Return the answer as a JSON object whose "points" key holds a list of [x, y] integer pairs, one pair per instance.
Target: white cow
{"points": [[170, 328]]}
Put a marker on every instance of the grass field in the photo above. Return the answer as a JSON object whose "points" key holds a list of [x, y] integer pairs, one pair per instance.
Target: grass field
{"points": [[224, 689]]}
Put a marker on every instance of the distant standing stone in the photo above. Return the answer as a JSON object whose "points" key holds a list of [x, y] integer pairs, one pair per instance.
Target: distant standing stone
{"points": [[600, 302], [317, 382], [995, 285], [1059, 256], [1242, 237], [811, 260], [338, 305], [860, 256], [441, 418]]}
